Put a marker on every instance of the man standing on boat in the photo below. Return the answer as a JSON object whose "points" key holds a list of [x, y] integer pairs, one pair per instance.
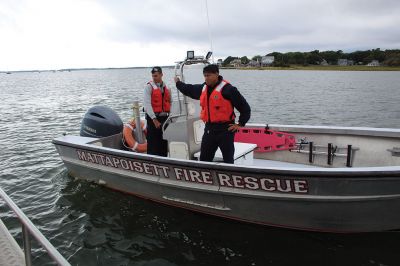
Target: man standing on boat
{"points": [[157, 105], [218, 98]]}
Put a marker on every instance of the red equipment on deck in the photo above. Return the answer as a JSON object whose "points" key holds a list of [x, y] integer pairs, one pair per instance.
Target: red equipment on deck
{"points": [[267, 140]]}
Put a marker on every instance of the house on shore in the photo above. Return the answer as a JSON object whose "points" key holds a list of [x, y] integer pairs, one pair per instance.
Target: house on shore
{"points": [[254, 63], [324, 62], [345, 62], [373, 63], [267, 60], [219, 62], [236, 62]]}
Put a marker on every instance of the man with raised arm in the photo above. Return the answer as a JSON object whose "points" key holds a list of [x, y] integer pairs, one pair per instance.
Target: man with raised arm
{"points": [[218, 98]]}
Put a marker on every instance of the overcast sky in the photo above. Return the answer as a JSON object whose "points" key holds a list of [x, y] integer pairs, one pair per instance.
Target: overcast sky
{"points": [[54, 34]]}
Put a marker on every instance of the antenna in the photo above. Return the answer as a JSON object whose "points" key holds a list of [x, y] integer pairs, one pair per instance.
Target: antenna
{"points": [[209, 33]]}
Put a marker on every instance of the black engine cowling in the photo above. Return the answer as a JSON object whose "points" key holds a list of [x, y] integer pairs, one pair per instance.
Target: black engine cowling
{"points": [[101, 121]]}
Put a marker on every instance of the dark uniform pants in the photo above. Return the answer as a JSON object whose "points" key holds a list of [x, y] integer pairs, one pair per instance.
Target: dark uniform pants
{"points": [[156, 145], [214, 138]]}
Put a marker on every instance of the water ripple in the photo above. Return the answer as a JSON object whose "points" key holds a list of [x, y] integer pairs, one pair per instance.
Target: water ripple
{"points": [[91, 225]]}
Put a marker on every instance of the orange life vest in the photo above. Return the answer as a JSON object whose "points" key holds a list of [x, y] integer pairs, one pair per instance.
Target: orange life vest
{"points": [[161, 102], [216, 109]]}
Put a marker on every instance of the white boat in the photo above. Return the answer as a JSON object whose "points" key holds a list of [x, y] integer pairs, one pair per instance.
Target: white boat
{"points": [[318, 178]]}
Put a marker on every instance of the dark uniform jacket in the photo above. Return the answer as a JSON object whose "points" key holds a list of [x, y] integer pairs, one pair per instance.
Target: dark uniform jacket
{"points": [[229, 92]]}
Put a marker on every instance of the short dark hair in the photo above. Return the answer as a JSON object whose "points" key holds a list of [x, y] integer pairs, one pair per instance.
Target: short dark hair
{"points": [[211, 69], [156, 69]]}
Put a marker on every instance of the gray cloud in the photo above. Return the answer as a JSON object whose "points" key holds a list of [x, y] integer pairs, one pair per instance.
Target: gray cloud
{"points": [[238, 28], [253, 27]]}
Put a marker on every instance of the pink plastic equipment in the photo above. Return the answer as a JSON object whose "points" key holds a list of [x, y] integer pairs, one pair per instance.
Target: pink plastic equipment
{"points": [[267, 140]]}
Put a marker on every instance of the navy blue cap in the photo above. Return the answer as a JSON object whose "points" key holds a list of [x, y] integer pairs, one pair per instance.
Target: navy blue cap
{"points": [[156, 69], [211, 69]]}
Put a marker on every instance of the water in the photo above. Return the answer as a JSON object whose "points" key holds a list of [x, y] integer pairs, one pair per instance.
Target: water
{"points": [[92, 225]]}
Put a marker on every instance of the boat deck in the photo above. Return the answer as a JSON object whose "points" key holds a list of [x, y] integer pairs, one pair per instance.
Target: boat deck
{"points": [[244, 156], [385, 150], [10, 252], [241, 150]]}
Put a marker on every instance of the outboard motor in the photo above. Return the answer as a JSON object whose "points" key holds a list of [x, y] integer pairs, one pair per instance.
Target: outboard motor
{"points": [[101, 121]]}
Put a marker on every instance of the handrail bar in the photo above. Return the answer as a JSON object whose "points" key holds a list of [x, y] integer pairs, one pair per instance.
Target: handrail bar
{"points": [[27, 224], [164, 126]]}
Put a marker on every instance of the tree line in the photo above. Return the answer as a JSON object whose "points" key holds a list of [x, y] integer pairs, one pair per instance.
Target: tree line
{"points": [[316, 57]]}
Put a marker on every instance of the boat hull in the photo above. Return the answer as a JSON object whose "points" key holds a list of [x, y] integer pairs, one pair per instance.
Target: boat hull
{"points": [[317, 199]]}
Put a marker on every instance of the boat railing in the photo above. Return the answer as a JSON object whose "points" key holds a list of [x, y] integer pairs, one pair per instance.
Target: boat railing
{"points": [[170, 119], [179, 67], [331, 152], [28, 230]]}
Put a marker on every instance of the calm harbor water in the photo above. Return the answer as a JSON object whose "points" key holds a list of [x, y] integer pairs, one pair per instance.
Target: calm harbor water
{"points": [[92, 225]]}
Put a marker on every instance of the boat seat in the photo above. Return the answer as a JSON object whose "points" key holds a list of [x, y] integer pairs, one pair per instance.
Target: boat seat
{"points": [[198, 131], [243, 154], [179, 150]]}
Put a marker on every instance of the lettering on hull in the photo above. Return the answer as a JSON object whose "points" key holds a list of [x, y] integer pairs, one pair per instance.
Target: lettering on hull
{"points": [[206, 177]]}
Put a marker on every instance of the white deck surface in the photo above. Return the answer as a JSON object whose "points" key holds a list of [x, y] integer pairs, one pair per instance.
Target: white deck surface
{"points": [[241, 149], [10, 252]]}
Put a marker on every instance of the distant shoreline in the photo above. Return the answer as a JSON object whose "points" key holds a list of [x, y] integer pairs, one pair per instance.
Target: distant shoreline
{"points": [[321, 68], [292, 67], [78, 69]]}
